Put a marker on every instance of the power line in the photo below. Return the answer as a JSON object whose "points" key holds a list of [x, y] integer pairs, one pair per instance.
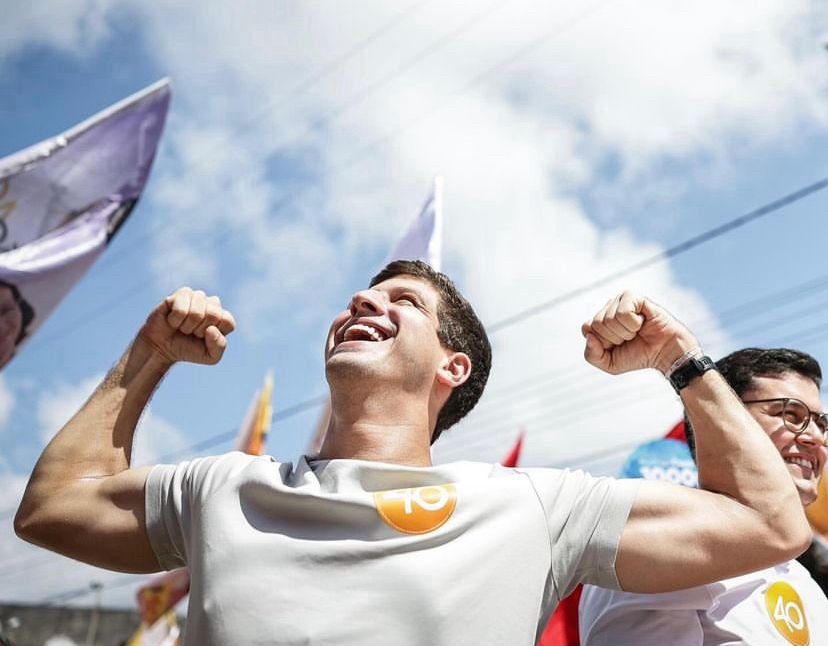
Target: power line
{"points": [[71, 595], [672, 252], [579, 376]]}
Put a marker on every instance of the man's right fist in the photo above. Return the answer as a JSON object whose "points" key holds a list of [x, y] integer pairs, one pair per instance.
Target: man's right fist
{"points": [[189, 326], [631, 332]]}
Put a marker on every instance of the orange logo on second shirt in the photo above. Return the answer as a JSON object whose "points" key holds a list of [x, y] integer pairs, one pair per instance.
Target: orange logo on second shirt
{"points": [[787, 613], [417, 510]]}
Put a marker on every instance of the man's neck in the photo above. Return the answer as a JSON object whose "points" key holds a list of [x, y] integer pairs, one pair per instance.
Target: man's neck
{"points": [[378, 431]]}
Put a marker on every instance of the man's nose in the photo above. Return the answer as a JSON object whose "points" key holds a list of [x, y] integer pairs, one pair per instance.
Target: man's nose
{"points": [[368, 301], [812, 434]]}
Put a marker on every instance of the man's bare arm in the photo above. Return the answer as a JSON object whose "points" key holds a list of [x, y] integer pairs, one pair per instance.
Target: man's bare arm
{"points": [[747, 517], [83, 499]]}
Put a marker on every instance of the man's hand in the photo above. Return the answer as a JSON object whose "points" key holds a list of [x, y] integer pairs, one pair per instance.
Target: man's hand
{"points": [[631, 333], [189, 326]]}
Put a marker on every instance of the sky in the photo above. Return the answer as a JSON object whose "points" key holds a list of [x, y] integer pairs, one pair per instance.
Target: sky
{"points": [[575, 140]]}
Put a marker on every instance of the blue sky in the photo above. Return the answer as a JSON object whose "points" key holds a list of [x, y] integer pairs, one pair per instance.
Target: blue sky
{"points": [[574, 141]]}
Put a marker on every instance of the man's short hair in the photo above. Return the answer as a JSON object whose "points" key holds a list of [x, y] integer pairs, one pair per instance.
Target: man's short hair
{"points": [[460, 330], [740, 368]]}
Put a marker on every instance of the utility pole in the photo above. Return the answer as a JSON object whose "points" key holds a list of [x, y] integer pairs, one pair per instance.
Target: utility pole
{"points": [[94, 619]]}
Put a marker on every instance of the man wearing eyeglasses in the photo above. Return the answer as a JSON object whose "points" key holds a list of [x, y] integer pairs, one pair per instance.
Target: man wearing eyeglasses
{"points": [[777, 605]]}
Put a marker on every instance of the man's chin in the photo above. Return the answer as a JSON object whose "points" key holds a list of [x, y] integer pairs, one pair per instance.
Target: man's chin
{"points": [[348, 365], [807, 490]]}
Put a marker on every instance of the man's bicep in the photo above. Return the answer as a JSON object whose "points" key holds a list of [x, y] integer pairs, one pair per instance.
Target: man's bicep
{"points": [[100, 521], [124, 527], [677, 537]]}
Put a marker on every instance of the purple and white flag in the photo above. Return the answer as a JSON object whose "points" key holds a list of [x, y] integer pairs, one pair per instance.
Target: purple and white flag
{"points": [[423, 240], [62, 200]]}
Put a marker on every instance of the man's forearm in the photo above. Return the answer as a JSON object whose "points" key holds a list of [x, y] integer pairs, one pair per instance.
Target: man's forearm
{"points": [[736, 458], [97, 441]]}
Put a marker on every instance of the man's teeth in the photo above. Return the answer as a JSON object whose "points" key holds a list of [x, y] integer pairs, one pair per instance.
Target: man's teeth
{"points": [[354, 331], [802, 462]]}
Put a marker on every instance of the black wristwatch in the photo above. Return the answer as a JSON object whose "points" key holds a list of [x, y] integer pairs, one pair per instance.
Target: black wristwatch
{"points": [[690, 370]]}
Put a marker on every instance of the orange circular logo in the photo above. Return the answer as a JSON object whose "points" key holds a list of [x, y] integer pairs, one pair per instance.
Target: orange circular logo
{"points": [[787, 613], [418, 510]]}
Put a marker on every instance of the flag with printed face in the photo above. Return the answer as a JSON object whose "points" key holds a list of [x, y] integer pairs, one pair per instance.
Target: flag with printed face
{"points": [[423, 240], [62, 201]]}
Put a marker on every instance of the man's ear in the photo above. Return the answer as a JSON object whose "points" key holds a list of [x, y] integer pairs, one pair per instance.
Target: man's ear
{"points": [[455, 370]]}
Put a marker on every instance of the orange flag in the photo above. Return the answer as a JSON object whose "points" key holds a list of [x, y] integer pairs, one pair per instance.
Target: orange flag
{"points": [[163, 632], [253, 432]]}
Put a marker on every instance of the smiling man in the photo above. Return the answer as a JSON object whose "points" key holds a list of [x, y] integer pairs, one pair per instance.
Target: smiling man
{"points": [[370, 543], [778, 605]]}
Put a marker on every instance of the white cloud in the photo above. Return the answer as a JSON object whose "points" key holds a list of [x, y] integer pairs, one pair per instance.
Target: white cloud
{"points": [[74, 26], [155, 438], [639, 82], [56, 406]]}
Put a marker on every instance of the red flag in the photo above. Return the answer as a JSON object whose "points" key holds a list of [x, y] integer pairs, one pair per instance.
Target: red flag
{"points": [[562, 629], [511, 459], [677, 433]]}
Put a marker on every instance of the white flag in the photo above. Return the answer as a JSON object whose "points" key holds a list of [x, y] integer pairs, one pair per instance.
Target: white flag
{"points": [[424, 238]]}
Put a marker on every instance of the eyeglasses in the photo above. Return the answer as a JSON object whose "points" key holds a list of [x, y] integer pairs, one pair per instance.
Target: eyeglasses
{"points": [[796, 415]]}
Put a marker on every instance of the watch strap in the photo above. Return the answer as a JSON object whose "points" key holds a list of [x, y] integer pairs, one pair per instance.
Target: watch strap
{"points": [[695, 367]]}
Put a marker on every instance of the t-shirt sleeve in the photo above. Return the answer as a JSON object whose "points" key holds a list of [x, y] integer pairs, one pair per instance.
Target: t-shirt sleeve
{"points": [[174, 497], [617, 618], [585, 516]]}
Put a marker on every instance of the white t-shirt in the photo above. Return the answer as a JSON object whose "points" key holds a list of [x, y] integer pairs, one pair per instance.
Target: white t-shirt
{"points": [[779, 605], [348, 552]]}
